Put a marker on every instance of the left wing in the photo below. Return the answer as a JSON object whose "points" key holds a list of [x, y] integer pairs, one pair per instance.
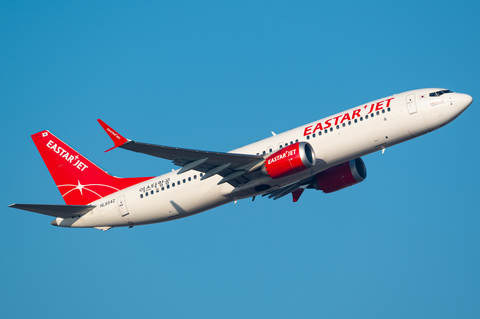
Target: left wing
{"points": [[234, 168]]}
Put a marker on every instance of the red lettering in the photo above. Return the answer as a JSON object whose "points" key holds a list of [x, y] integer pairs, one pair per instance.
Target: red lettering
{"points": [[336, 119], [346, 117], [356, 113], [318, 127], [307, 130], [388, 101], [327, 123], [371, 108], [379, 106]]}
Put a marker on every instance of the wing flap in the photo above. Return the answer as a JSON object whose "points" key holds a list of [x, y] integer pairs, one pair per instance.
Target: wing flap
{"points": [[63, 211]]}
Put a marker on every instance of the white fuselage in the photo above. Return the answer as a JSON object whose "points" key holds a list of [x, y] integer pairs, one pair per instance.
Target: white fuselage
{"points": [[335, 140]]}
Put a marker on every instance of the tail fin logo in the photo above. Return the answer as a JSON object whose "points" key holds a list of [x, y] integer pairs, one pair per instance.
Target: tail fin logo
{"points": [[68, 167], [72, 159]]}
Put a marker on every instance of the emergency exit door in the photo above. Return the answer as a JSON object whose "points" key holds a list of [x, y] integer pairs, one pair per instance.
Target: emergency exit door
{"points": [[122, 206]]}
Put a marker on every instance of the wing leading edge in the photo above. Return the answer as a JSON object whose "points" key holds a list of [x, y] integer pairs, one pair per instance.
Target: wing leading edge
{"points": [[234, 168]]}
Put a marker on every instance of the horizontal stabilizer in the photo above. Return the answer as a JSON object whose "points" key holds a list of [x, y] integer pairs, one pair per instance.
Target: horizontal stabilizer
{"points": [[63, 211]]}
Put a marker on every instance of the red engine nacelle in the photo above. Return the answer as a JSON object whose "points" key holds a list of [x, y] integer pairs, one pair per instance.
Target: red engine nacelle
{"points": [[289, 160], [341, 176]]}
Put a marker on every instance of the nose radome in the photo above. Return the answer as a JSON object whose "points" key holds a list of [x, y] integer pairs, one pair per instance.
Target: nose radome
{"points": [[463, 100]]}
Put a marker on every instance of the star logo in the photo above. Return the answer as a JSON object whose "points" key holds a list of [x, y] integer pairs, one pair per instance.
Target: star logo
{"points": [[87, 187], [79, 187]]}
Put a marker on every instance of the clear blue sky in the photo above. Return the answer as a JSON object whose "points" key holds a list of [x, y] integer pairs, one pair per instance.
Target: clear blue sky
{"points": [[215, 76]]}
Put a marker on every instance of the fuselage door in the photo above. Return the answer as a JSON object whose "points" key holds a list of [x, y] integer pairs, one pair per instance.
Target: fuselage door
{"points": [[411, 105], [122, 206]]}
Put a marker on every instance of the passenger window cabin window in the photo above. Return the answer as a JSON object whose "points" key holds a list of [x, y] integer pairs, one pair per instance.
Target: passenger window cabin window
{"points": [[173, 184], [326, 131], [331, 129], [158, 190], [141, 195], [319, 133], [313, 134], [264, 152], [201, 174], [388, 109], [343, 124], [146, 194], [361, 118], [338, 127], [366, 117], [194, 176], [189, 179], [383, 111], [286, 144], [163, 188], [151, 192], [184, 181], [378, 112], [168, 186], [356, 121], [271, 150], [349, 122], [296, 141]]}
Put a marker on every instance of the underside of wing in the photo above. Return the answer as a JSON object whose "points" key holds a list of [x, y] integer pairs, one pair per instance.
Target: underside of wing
{"points": [[224, 164], [234, 168], [63, 211]]}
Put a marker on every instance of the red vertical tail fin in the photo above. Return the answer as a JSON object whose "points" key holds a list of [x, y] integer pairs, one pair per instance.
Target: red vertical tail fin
{"points": [[79, 180]]}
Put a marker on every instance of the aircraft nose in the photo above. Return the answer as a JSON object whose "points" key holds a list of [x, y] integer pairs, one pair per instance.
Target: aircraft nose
{"points": [[463, 101]]}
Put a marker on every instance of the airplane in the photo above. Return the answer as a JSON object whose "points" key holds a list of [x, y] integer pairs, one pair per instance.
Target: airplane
{"points": [[322, 155]]}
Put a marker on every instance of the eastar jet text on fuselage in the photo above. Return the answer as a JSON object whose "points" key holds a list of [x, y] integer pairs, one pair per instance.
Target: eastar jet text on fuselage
{"points": [[323, 155], [350, 115]]}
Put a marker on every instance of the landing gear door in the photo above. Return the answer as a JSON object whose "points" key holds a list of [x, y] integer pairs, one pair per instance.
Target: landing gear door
{"points": [[122, 206], [411, 105]]}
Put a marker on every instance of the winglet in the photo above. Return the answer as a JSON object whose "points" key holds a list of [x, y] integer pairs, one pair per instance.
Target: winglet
{"points": [[117, 139]]}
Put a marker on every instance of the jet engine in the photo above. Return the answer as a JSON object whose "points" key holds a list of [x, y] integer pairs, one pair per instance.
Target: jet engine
{"points": [[289, 160], [341, 176]]}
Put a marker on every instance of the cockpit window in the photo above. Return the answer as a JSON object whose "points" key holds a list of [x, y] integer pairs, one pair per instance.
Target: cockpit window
{"points": [[438, 93]]}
